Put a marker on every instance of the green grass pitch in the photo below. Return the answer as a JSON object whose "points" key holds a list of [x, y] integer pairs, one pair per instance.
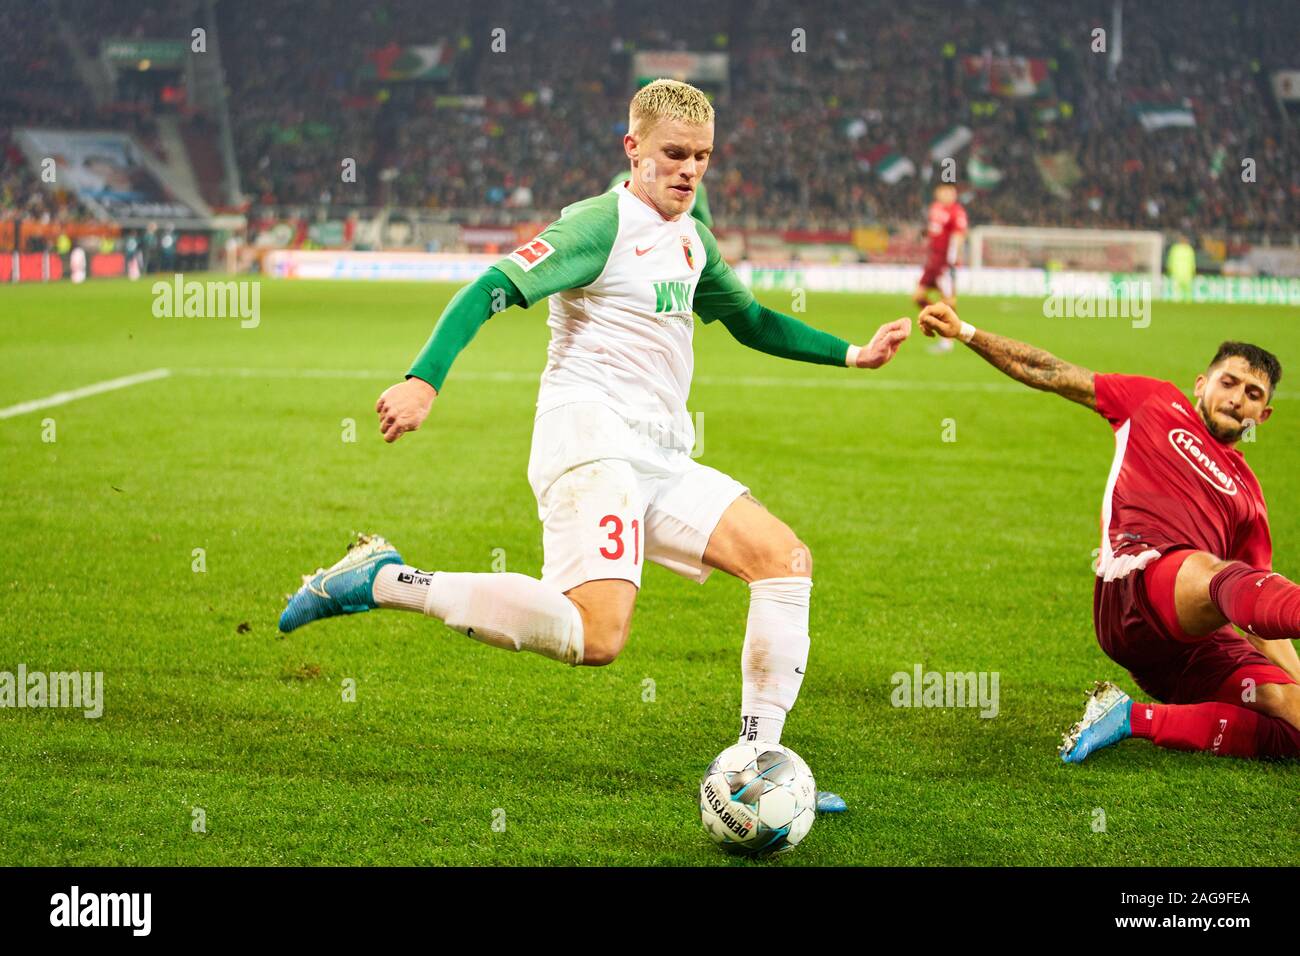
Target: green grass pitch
{"points": [[965, 555]]}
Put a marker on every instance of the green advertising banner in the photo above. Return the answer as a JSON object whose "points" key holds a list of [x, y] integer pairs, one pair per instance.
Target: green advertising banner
{"points": [[126, 51]]}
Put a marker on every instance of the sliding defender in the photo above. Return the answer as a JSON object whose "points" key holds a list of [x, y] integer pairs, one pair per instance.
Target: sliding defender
{"points": [[1185, 554]]}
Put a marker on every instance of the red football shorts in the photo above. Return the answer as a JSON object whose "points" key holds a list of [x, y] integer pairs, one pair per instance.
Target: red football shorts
{"points": [[939, 275], [1137, 627]]}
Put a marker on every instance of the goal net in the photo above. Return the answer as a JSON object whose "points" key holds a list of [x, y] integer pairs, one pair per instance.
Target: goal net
{"points": [[1072, 250]]}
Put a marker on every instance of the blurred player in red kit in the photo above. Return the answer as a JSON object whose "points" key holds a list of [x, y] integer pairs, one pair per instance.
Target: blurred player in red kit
{"points": [[1185, 554], [945, 228]]}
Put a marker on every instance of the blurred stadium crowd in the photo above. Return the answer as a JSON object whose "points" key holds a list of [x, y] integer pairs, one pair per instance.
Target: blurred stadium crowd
{"points": [[800, 136]]}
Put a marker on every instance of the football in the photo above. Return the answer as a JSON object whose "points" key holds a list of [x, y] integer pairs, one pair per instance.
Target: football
{"points": [[757, 799]]}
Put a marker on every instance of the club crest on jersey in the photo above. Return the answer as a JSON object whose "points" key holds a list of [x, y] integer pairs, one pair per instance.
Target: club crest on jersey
{"points": [[686, 248], [531, 253], [1189, 446]]}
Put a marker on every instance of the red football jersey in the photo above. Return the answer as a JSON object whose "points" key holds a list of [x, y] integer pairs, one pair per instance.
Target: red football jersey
{"points": [[943, 223], [1173, 483]]}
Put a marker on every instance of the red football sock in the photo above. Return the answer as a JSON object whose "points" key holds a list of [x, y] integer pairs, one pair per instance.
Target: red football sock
{"points": [[1261, 602], [1223, 729]]}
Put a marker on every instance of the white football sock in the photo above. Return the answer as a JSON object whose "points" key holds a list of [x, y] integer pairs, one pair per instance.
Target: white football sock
{"points": [[775, 655], [503, 609], [402, 587]]}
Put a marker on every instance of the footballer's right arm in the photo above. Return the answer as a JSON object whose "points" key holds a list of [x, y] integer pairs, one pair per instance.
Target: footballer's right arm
{"points": [[1035, 367], [403, 407], [569, 254]]}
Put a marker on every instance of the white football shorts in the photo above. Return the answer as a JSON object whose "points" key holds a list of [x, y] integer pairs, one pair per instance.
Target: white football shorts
{"points": [[610, 497]]}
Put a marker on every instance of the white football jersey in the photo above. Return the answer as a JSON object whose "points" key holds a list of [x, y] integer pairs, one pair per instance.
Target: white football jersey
{"points": [[623, 284]]}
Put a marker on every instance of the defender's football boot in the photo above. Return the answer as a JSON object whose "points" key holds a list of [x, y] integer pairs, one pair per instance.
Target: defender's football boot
{"points": [[1105, 722]]}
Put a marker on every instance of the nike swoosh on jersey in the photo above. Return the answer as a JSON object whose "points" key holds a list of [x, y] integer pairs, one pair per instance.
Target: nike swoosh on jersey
{"points": [[641, 252]]}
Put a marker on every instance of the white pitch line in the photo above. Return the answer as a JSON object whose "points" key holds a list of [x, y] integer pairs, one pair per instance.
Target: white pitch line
{"points": [[62, 398], [285, 372]]}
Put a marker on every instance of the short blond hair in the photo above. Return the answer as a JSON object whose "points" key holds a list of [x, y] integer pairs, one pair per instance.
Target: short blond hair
{"points": [[667, 99]]}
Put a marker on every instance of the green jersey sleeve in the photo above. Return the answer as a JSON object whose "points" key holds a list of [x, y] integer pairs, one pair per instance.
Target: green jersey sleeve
{"points": [[469, 308], [719, 292], [720, 296], [784, 336], [569, 254]]}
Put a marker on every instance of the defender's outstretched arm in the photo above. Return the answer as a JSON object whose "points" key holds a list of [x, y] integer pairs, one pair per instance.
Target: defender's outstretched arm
{"points": [[1035, 367]]}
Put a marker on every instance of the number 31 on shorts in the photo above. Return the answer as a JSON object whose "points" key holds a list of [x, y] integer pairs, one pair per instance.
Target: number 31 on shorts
{"points": [[614, 548]]}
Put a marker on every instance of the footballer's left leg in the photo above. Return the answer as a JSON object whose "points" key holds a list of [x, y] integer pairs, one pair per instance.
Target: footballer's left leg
{"points": [[1105, 722], [1222, 728], [1225, 698], [700, 519], [1231, 701], [754, 545]]}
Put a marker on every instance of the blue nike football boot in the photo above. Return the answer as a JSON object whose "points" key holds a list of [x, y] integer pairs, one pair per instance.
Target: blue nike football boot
{"points": [[345, 588], [828, 802], [1105, 722]]}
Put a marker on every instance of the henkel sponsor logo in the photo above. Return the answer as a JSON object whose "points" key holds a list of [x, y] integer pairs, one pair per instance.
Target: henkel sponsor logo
{"points": [[1189, 446]]}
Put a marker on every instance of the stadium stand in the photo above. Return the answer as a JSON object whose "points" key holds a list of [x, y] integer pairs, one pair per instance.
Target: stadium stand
{"points": [[786, 154], [803, 140]]}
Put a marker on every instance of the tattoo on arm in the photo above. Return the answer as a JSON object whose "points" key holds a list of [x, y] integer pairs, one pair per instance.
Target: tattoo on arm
{"points": [[1036, 368]]}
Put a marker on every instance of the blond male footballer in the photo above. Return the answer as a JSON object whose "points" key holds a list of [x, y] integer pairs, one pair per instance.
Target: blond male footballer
{"points": [[610, 463]]}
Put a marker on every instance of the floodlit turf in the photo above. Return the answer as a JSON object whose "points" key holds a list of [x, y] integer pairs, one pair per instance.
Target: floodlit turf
{"points": [[969, 555]]}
